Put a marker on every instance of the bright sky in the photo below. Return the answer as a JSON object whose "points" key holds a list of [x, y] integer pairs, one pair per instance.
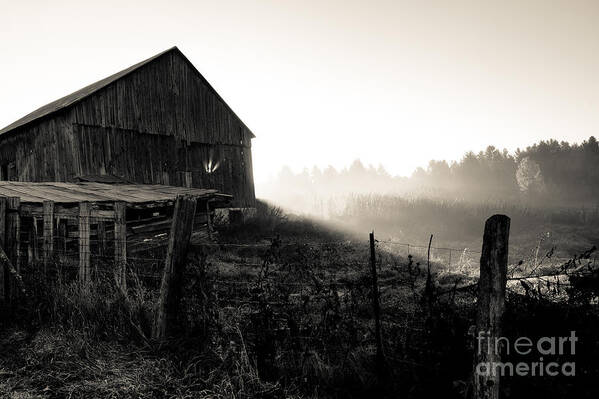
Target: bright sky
{"points": [[324, 82]]}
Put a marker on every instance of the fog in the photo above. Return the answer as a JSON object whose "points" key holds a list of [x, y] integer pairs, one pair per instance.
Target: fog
{"points": [[549, 173]]}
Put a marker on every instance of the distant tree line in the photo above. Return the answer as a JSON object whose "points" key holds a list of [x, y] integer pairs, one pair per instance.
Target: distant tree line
{"points": [[549, 171], [552, 171]]}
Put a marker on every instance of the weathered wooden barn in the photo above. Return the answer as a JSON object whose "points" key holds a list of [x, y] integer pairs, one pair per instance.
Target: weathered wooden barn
{"points": [[157, 122]]}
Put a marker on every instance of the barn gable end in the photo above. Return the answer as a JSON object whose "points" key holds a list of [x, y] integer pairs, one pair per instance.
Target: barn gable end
{"points": [[159, 122]]}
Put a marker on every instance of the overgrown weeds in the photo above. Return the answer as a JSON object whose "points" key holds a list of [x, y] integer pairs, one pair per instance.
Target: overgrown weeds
{"points": [[285, 317]]}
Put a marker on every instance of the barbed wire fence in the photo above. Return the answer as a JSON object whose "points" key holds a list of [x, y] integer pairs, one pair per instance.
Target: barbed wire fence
{"points": [[147, 264], [301, 300]]}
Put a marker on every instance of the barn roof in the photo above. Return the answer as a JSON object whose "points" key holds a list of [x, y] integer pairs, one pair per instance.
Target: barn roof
{"points": [[81, 94], [100, 192]]}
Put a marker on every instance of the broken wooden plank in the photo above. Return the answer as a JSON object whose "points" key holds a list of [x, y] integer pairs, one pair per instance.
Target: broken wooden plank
{"points": [[13, 276], [149, 227]]}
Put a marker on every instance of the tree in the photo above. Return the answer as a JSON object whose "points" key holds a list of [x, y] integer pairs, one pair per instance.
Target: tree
{"points": [[357, 168], [529, 176]]}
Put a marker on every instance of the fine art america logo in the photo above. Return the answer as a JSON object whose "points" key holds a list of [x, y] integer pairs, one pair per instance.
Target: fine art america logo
{"points": [[551, 347]]}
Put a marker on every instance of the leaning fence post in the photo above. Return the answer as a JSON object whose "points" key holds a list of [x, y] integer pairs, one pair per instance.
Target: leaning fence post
{"points": [[174, 267], [491, 304], [376, 305]]}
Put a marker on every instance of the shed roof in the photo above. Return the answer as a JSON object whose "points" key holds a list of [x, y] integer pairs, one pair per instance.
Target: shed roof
{"points": [[83, 93], [99, 192]]}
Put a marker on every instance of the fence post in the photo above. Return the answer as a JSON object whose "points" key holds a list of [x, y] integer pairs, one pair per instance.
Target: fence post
{"points": [[376, 306], [3, 207], [4, 274], [120, 243], [13, 241], [84, 254], [208, 214], [174, 267], [61, 233], [428, 294], [101, 233], [48, 207], [13, 227], [491, 304]]}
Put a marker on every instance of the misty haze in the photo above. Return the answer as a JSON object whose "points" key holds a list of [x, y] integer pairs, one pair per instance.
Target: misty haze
{"points": [[552, 187]]}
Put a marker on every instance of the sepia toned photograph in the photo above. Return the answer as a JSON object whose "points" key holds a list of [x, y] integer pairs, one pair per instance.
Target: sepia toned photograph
{"points": [[283, 199]]}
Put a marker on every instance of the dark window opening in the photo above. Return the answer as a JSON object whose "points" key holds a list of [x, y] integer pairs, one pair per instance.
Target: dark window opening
{"points": [[8, 171], [4, 172]]}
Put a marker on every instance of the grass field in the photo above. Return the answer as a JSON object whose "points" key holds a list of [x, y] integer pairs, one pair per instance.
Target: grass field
{"points": [[535, 230], [281, 306]]}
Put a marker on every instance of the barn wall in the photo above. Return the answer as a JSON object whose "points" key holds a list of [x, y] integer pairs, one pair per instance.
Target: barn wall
{"points": [[117, 131], [162, 159], [42, 151], [198, 122]]}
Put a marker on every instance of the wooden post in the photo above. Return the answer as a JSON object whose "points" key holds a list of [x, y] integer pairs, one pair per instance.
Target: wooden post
{"points": [[376, 306], [3, 207], [31, 240], [120, 243], [3, 271], [491, 303], [61, 231], [101, 233], [84, 249], [188, 180], [13, 227], [174, 267], [429, 288], [208, 219], [48, 233], [12, 241]]}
